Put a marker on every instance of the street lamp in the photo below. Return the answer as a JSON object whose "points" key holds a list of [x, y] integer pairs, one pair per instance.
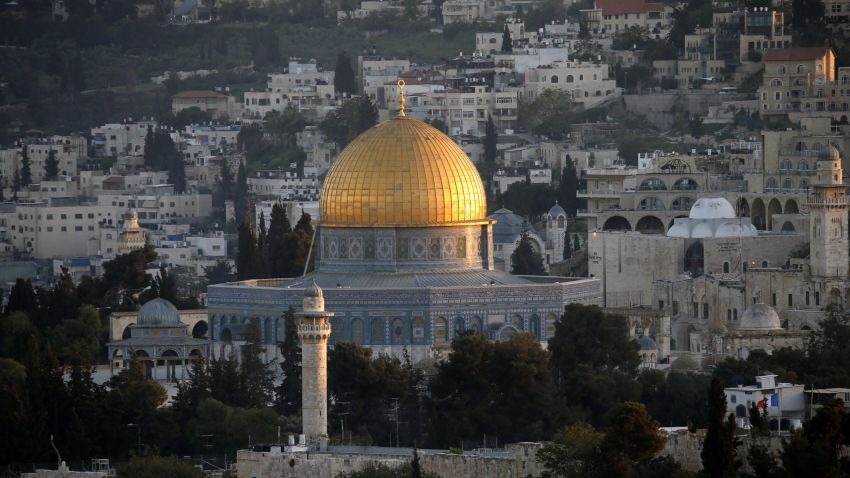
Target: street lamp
{"points": [[138, 434]]}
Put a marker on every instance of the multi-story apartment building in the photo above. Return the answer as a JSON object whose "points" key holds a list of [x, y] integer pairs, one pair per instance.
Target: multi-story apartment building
{"points": [[375, 71], [59, 227], [465, 111], [159, 204], [67, 149], [612, 16], [218, 104], [115, 139], [804, 80], [588, 83], [319, 151], [285, 185], [304, 85]]}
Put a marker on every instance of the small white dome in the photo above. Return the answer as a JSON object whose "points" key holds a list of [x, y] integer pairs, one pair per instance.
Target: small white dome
{"points": [[158, 312], [712, 208], [679, 229], [760, 316], [736, 229]]}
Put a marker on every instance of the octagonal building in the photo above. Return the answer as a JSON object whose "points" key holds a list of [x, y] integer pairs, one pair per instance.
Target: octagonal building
{"points": [[404, 254]]}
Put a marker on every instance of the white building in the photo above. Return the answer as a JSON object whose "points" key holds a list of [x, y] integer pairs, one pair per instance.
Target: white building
{"points": [[587, 83], [120, 138], [158, 204], [784, 402]]}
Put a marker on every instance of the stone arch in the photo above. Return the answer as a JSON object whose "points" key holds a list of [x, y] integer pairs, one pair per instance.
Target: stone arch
{"points": [[788, 226], [506, 332], [516, 321], [650, 225], [397, 331], [200, 330], [125, 334], [695, 259], [773, 208], [357, 331], [458, 326], [476, 324], [377, 332], [685, 184], [791, 207], [169, 353], [226, 335], [758, 214], [682, 203], [534, 326], [652, 184], [742, 207], [651, 203], [617, 223], [441, 330], [834, 296]]}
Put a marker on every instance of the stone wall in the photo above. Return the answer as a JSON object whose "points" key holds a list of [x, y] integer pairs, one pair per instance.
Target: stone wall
{"points": [[516, 460]]}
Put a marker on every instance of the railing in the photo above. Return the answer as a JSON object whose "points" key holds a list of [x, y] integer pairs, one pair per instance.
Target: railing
{"points": [[787, 190], [827, 202], [599, 193]]}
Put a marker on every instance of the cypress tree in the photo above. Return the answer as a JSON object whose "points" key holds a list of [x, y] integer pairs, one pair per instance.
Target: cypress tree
{"points": [[525, 260], [257, 379], [26, 173], [507, 42], [344, 81], [246, 257], [718, 452], [288, 393], [568, 188], [51, 165]]}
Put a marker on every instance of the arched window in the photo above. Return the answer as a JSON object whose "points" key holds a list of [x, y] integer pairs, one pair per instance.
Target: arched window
{"points": [[803, 165], [652, 184], [804, 185], [357, 331], [725, 267], [594, 76], [801, 68], [683, 203], [775, 82], [580, 77], [685, 184], [554, 78], [418, 329], [441, 330], [782, 69], [771, 183], [561, 222], [786, 165], [569, 78], [651, 204], [459, 326], [397, 331], [787, 183]]}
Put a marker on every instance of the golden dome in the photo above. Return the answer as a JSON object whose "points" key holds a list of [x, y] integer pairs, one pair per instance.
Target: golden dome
{"points": [[405, 173]]}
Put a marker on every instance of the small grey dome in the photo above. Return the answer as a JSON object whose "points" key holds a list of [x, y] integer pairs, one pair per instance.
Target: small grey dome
{"points": [[646, 343], [313, 290], [557, 210], [829, 153], [760, 316], [158, 312]]}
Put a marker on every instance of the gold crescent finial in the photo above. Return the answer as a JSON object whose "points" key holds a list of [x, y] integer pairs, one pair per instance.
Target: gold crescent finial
{"points": [[400, 84]]}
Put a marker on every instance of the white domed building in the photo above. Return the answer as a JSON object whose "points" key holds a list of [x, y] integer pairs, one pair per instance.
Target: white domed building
{"points": [[160, 340]]}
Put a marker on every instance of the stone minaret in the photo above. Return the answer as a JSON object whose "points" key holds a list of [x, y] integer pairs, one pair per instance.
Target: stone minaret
{"points": [[314, 331], [828, 218]]}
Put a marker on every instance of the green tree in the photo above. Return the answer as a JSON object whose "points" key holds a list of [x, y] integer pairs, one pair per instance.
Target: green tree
{"points": [[718, 453], [16, 334], [241, 201], [525, 260], [576, 452], [568, 188], [379, 470], [152, 466], [344, 81], [26, 165], [576, 242], [501, 389], [219, 273], [593, 362], [355, 116], [192, 391], [491, 140], [288, 393], [246, 259], [631, 38], [51, 166], [76, 339], [548, 114], [568, 248], [177, 174], [257, 377], [632, 437], [507, 42], [226, 380]]}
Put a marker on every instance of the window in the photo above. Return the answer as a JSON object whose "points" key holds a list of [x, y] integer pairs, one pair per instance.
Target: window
{"points": [[790, 300], [725, 267], [705, 310], [64, 229], [773, 299], [807, 297], [817, 298], [50, 217], [675, 307], [63, 216], [78, 216], [78, 228]]}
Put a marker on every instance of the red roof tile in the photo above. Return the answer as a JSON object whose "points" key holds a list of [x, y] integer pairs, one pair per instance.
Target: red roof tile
{"points": [[795, 54]]}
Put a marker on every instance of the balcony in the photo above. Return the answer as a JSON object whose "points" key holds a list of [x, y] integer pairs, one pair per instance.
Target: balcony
{"points": [[598, 194]]}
